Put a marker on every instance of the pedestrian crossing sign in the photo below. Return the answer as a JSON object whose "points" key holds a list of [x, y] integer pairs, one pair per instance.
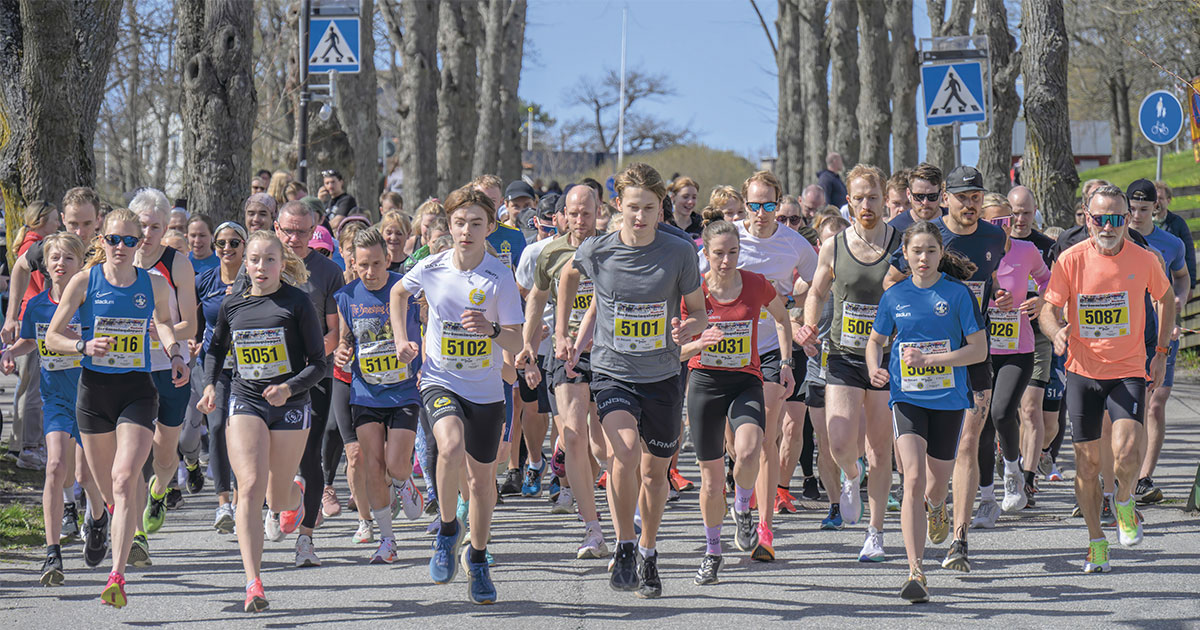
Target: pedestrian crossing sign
{"points": [[333, 44], [953, 93]]}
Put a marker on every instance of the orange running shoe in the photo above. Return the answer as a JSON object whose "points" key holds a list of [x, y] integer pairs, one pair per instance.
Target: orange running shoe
{"points": [[256, 601], [289, 520], [678, 481], [765, 550], [785, 503], [114, 593], [602, 482]]}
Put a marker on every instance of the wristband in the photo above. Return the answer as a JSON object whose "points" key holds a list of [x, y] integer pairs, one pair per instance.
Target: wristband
{"points": [[495, 330], [1161, 350]]}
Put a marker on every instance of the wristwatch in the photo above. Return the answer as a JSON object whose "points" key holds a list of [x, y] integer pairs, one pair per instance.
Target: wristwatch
{"points": [[495, 330], [80, 346], [1161, 350], [787, 363]]}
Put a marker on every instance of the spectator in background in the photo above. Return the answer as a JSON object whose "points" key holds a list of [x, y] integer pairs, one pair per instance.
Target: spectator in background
{"points": [[896, 195], [1080, 214], [390, 201], [340, 202], [603, 215], [258, 213], [812, 200], [1176, 225], [257, 185], [277, 187], [830, 180], [264, 175], [175, 239], [684, 192], [295, 191], [395, 175], [177, 220]]}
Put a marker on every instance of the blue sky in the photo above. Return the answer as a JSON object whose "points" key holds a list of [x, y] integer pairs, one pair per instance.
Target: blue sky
{"points": [[713, 51]]}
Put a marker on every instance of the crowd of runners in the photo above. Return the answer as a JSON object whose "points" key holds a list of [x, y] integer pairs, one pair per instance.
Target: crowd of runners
{"points": [[501, 343]]}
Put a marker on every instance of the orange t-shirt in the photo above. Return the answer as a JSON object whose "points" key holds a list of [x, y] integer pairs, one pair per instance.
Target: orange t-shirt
{"points": [[1103, 299]]}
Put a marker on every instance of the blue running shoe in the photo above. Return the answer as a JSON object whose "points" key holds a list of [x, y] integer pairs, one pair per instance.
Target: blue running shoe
{"points": [[444, 564], [532, 486], [464, 506], [834, 520], [479, 580]]}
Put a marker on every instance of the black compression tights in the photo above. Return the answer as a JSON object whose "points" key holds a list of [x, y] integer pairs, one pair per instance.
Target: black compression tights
{"points": [[806, 450], [310, 463], [1011, 375]]}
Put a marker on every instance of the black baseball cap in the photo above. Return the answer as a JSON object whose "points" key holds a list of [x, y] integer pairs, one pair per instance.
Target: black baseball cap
{"points": [[547, 206], [519, 189], [964, 179], [1142, 190]]}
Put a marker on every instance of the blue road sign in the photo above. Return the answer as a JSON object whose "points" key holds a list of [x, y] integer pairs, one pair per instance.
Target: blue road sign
{"points": [[953, 92], [1160, 117], [333, 44]]}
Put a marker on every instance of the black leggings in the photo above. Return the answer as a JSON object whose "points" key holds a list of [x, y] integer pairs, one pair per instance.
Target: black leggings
{"points": [[335, 439], [310, 463], [218, 450], [1011, 374], [807, 449]]}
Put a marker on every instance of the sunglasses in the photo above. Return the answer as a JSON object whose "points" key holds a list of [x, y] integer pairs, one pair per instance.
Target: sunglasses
{"points": [[1112, 220], [1001, 222], [547, 229], [933, 196], [331, 173], [233, 242], [796, 220], [130, 241], [768, 206]]}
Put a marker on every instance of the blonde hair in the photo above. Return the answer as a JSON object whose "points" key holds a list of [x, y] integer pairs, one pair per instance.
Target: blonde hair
{"points": [[641, 175], [394, 219], [718, 228], [116, 215], [278, 187], [67, 242], [722, 195], [995, 200], [487, 180], [36, 214], [764, 177], [441, 244], [294, 271], [870, 173], [346, 243], [680, 183]]}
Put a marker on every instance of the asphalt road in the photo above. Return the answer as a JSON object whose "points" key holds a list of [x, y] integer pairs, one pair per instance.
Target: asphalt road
{"points": [[1025, 573]]}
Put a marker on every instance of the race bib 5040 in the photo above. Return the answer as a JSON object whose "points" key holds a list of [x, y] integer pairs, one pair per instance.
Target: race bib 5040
{"points": [[933, 377]]}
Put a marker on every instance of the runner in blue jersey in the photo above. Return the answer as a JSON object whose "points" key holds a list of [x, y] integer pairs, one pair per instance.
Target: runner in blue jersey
{"points": [[930, 315], [384, 400], [117, 402]]}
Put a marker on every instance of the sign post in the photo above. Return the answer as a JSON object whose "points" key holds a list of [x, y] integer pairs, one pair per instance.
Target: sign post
{"points": [[1160, 118], [330, 32], [956, 84], [1194, 109]]}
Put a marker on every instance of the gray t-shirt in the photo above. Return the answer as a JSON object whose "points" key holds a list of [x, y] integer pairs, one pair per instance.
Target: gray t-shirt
{"points": [[638, 291], [324, 279]]}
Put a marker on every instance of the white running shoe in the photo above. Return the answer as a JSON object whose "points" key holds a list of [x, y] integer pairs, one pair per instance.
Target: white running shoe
{"points": [[410, 500], [565, 504], [872, 549], [851, 500], [271, 527], [224, 520], [986, 516], [593, 546], [365, 533], [1014, 492], [386, 553], [306, 555]]}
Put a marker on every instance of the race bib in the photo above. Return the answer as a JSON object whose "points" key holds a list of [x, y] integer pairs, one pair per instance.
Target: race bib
{"points": [[640, 327], [733, 350], [923, 379], [582, 301], [1104, 315], [463, 350], [129, 348], [824, 358], [261, 353], [976, 287], [857, 320], [379, 364], [53, 361], [1003, 328]]}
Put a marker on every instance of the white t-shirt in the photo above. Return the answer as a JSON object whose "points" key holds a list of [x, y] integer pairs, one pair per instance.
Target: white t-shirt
{"points": [[780, 258], [524, 273], [466, 364]]}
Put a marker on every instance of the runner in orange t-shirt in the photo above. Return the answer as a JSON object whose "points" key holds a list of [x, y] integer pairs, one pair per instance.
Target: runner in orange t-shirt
{"points": [[1095, 309]]}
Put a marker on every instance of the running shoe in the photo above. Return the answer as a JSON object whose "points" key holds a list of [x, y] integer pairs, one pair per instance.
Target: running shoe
{"points": [[386, 553], [271, 527], [1129, 524], [306, 554], [532, 486], [624, 569], [443, 566], [679, 483], [986, 516], [512, 483], [565, 503], [833, 520], [745, 533], [1107, 517], [872, 549], [95, 539], [114, 592], [553, 489], [29, 459], [155, 513], [1146, 492], [139, 551], [558, 463], [593, 547], [764, 551], [1014, 493], [939, 523], [1076, 511], [811, 491], [174, 498], [602, 482], [914, 589], [223, 521], [431, 506], [352, 504], [729, 485], [672, 495], [649, 584], [480, 588], [410, 500], [256, 600], [956, 557], [365, 534], [289, 520], [1055, 473], [637, 523], [894, 498], [1030, 491], [852, 500], [707, 573], [330, 505], [1045, 465], [195, 478], [52, 570], [463, 509], [1097, 557], [785, 503], [70, 522]]}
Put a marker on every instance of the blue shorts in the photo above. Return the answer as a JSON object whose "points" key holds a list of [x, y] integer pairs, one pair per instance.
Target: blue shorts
{"points": [[1169, 373], [59, 415], [172, 401], [506, 434]]}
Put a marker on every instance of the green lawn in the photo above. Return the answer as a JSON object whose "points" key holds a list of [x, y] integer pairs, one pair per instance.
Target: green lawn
{"points": [[1179, 169]]}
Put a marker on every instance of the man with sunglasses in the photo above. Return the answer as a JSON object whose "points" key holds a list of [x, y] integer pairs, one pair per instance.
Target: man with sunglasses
{"points": [[1143, 201], [340, 202], [1095, 308], [983, 244], [924, 193]]}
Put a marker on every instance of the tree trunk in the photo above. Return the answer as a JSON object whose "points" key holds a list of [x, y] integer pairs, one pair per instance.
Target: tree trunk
{"points": [[131, 164], [905, 79], [1122, 126], [413, 31], [359, 118], [508, 155], [458, 118], [487, 137], [54, 59], [873, 112], [787, 67], [939, 141], [843, 98], [813, 59], [219, 104], [995, 151], [1049, 168]]}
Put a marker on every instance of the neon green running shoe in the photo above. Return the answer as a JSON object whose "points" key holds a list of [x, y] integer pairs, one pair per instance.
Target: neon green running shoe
{"points": [[1097, 557], [156, 509], [1129, 524]]}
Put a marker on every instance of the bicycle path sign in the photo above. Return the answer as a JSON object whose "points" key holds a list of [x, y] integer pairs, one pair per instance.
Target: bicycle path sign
{"points": [[1160, 117]]}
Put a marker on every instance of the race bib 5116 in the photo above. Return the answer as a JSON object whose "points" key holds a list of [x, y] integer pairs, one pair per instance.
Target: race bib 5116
{"points": [[129, 337]]}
